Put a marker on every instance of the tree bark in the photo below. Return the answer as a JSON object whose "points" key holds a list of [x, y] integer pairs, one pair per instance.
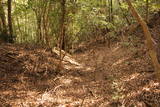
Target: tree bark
{"points": [[4, 33], [45, 17], [10, 21], [112, 12], [147, 10], [149, 40], [63, 9], [2, 16], [62, 31], [39, 26]]}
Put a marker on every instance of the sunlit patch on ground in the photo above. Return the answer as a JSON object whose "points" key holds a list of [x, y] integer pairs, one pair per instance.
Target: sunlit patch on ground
{"points": [[116, 48], [120, 61], [131, 77]]}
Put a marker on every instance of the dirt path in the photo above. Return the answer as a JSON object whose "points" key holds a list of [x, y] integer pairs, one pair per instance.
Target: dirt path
{"points": [[113, 77], [94, 85]]}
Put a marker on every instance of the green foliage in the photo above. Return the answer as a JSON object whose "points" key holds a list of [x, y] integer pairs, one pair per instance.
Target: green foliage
{"points": [[84, 19]]}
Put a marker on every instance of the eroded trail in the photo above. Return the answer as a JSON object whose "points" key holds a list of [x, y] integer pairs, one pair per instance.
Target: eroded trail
{"points": [[104, 77], [124, 76], [96, 84]]}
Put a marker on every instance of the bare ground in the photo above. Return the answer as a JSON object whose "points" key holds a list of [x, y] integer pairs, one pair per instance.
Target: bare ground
{"points": [[120, 76]]}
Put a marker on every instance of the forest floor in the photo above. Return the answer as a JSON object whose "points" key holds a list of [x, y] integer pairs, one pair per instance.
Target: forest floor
{"points": [[104, 77], [94, 76]]}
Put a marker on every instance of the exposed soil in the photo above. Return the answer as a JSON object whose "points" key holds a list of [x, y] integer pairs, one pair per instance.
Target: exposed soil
{"points": [[120, 76], [109, 77]]}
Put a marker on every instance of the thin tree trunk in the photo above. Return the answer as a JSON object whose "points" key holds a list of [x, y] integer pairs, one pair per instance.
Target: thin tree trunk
{"points": [[112, 20], [62, 31], [3, 19], [20, 31], [63, 4], [110, 8], [149, 40], [147, 10], [46, 24], [39, 13], [39, 32], [45, 18], [10, 21]]}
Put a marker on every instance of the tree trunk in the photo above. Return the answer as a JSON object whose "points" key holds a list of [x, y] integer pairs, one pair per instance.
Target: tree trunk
{"points": [[39, 29], [45, 17], [2, 16], [62, 31], [4, 33], [112, 12], [149, 40], [147, 10], [110, 8], [20, 31], [63, 4], [10, 21]]}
